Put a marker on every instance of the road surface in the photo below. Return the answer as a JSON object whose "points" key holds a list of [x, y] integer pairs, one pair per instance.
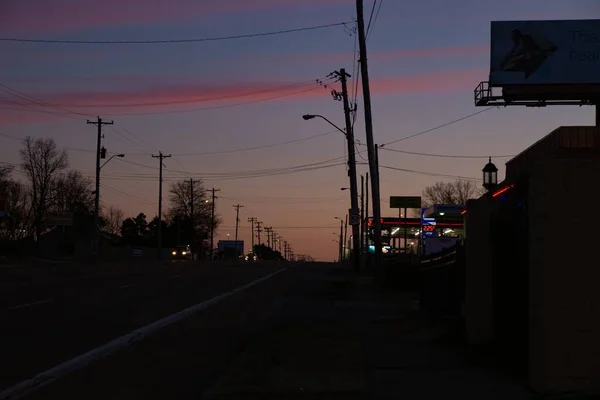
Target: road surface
{"points": [[47, 323]]}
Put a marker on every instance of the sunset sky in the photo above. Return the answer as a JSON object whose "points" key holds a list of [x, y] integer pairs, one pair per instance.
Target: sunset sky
{"points": [[226, 109]]}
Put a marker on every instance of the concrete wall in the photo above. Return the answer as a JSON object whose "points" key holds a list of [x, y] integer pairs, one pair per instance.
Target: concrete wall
{"points": [[564, 276], [478, 308]]}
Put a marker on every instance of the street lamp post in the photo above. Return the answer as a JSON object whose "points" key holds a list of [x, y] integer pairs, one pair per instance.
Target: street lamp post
{"points": [[354, 218]]}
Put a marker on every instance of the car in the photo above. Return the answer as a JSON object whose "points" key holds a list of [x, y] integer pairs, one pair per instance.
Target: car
{"points": [[181, 253]]}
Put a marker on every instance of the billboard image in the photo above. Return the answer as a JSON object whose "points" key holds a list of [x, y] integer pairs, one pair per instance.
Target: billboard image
{"points": [[545, 52]]}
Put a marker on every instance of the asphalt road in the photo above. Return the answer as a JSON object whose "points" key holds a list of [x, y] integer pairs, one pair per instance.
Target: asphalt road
{"points": [[44, 323]]}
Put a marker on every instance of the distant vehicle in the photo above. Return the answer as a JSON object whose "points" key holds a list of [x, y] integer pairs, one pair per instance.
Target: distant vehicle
{"points": [[250, 257], [181, 253]]}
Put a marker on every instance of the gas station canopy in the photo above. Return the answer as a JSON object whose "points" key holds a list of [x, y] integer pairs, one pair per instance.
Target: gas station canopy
{"points": [[444, 211]]}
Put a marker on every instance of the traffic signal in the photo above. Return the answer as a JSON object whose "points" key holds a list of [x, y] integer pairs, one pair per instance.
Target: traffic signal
{"points": [[103, 153]]}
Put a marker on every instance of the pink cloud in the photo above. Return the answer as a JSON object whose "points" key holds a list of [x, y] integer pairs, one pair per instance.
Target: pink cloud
{"points": [[42, 16], [397, 54], [179, 97]]}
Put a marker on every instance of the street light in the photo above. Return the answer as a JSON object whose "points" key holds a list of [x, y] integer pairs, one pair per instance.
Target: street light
{"points": [[354, 211], [306, 117], [111, 157], [490, 175], [359, 196]]}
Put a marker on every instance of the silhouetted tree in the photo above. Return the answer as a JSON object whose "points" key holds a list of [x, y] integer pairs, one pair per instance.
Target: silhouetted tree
{"points": [[113, 220], [42, 163], [457, 192], [72, 191], [16, 204], [135, 230], [190, 228]]}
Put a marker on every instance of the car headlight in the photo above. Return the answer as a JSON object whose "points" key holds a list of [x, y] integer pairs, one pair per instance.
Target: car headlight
{"points": [[184, 253], [174, 253]]}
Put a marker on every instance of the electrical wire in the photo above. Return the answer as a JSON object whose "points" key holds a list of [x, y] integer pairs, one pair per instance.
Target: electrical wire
{"points": [[412, 171], [216, 107], [171, 41], [448, 155], [437, 127], [197, 99], [369, 32]]}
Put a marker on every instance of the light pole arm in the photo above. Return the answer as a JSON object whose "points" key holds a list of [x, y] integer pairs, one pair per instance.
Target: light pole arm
{"points": [[111, 157], [331, 123]]}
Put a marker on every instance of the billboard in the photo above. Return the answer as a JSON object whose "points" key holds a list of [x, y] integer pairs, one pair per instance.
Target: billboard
{"points": [[556, 52], [405, 202]]}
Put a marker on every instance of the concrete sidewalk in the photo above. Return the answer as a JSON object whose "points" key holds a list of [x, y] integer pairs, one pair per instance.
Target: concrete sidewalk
{"points": [[336, 337]]}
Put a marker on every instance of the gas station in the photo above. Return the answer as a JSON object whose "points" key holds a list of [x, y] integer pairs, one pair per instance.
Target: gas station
{"points": [[440, 226]]}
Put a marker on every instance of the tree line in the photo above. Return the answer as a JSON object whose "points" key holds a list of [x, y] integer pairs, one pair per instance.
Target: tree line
{"points": [[49, 186]]}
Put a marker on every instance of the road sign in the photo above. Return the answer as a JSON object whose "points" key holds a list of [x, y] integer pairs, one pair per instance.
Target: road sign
{"points": [[560, 52], [60, 219], [405, 201], [354, 218]]}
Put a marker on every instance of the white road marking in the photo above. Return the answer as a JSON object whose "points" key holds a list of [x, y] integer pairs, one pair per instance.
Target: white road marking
{"points": [[44, 378], [126, 286], [35, 303]]}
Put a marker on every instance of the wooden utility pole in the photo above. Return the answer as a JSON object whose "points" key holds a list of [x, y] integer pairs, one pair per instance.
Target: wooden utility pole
{"points": [[268, 231], [160, 157], [373, 168], [237, 222], [362, 215], [258, 231], [354, 214], [252, 220], [192, 217], [212, 222], [99, 154]]}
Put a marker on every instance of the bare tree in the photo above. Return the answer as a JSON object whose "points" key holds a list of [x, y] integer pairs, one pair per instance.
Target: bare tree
{"points": [[14, 199], [457, 192], [180, 198], [17, 224], [42, 163], [114, 218], [72, 191]]}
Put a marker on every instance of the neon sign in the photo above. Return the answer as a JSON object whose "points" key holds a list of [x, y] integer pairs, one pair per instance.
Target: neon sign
{"points": [[429, 228]]}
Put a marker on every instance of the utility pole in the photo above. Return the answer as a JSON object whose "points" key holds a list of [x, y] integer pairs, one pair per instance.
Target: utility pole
{"points": [[237, 221], [192, 216], [373, 168], [99, 154], [252, 220], [345, 236], [160, 157], [362, 215], [268, 231], [212, 222], [341, 240], [354, 218], [367, 213], [258, 231]]}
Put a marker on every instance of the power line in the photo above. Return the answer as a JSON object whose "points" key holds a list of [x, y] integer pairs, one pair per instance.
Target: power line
{"points": [[412, 171], [268, 146], [197, 99], [217, 107], [437, 127], [448, 155], [197, 109], [169, 41], [370, 31]]}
